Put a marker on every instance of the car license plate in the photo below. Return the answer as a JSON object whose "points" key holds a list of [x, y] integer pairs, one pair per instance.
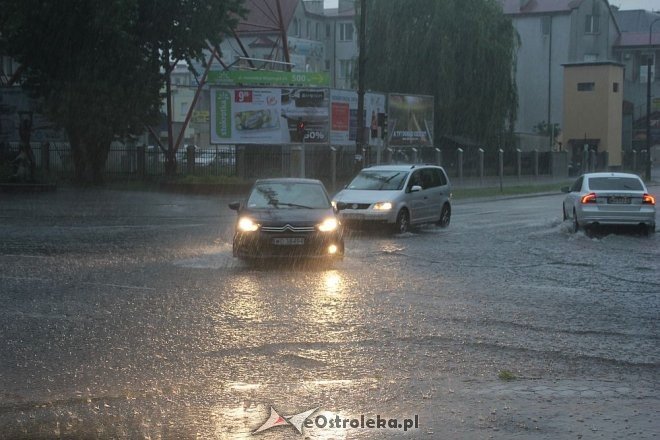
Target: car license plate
{"points": [[289, 241], [354, 216], [618, 200]]}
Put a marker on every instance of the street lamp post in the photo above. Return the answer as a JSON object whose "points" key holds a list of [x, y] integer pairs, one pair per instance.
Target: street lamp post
{"points": [[648, 103]]}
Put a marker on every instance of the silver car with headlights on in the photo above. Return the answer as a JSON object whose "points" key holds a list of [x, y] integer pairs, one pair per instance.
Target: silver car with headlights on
{"points": [[609, 199], [397, 197]]}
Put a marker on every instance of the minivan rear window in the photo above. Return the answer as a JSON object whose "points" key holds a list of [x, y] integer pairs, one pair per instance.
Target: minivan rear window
{"points": [[615, 184]]}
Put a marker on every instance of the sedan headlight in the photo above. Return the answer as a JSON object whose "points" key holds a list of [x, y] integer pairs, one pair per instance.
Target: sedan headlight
{"points": [[383, 206], [246, 224], [328, 225]]}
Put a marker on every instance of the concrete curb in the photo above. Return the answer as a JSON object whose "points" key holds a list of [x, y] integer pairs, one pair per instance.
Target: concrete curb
{"points": [[27, 187]]}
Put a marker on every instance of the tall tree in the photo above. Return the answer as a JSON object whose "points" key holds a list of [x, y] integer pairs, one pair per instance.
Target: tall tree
{"points": [[97, 65], [460, 51], [184, 30]]}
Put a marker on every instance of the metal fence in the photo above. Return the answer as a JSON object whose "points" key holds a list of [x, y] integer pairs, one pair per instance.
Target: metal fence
{"points": [[326, 163]]}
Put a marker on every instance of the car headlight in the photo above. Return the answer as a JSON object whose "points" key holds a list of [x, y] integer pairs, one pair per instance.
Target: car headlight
{"points": [[383, 206], [246, 224], [328, 225], [334, 204]]}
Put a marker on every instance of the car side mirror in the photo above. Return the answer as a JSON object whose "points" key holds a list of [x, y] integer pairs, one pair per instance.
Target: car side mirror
{"points": [[415, 188], [565, 189], [340, 206], [235, 206]]}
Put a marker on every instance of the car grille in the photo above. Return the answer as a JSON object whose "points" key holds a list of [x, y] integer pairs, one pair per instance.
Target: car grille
{"points": [[358, 205], [288, 229]]}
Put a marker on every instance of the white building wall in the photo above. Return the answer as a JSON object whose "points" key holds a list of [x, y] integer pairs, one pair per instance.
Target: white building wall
{"points": [[535, 89]]}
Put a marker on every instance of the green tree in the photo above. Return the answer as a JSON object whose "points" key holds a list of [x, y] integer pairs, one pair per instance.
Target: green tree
{"points": [[460, 51], [183, 30], [97, 65]]}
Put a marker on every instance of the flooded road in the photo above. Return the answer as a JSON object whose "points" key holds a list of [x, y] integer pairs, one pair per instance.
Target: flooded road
{"points": [[124, 315]]}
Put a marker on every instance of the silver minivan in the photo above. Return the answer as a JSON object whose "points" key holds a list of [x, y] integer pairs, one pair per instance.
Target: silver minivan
{"points": [[396, 196]]}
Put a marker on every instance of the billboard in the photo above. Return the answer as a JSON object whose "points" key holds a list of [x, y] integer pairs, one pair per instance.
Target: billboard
{"points": [[269, 115], [410, 120], [343, 116]]}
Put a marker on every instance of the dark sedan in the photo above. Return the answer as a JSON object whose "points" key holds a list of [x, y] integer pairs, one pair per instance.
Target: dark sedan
{"points": [[287, 217]]}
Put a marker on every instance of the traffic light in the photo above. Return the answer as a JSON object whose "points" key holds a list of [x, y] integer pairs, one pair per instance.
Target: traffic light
{"points": [[300, 127], [300, 130], [382, 121]]}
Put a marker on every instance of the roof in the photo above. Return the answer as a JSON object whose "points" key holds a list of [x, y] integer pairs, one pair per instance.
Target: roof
{"points": [[594, 63], [524, 7], [288, 180], [635, 26], [637, 20], [262, 16], [633, 39], [263, 41], [608, 174], [401, 167]]}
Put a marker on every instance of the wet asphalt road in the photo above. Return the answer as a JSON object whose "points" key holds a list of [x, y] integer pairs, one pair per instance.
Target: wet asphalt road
{"points": [[124, 315]]}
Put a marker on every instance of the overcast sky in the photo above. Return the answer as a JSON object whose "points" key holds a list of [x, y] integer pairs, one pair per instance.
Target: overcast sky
{"points": [[649, 5]]}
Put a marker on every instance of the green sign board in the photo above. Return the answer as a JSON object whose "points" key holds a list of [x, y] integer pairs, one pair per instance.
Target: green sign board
{"points": [[268, 78]]}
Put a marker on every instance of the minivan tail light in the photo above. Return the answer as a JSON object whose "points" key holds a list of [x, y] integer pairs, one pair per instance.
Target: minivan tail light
{"points": [[589, 198], [648, 199]]}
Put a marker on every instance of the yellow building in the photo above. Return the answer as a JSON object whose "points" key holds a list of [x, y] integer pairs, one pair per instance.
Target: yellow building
{"points": [[593, 102]]}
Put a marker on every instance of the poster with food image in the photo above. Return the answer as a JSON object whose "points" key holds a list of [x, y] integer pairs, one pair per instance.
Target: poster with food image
{"points": [[269, 115], [246, 116]]}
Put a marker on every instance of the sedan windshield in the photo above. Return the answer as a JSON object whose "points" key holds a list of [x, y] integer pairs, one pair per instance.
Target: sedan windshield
{"points": [[379, 180], [288, 196], [615, 184]]}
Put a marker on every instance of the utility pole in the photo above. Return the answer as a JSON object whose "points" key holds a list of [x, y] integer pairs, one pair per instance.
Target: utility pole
{"points": [[359, 140]]}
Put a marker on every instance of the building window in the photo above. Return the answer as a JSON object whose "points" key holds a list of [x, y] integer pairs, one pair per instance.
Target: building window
{"points": [[592, 24], [327, 65], [327, 31], [643, 69], [345, 68], [318, 33], [615, 87], [545, 25], [586, 87], [296, 27], [345, 31], [309, 32]]}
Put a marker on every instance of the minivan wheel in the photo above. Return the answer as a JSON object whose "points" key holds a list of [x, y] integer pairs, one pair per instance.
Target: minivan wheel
{"points": [[402, 222], [445, 216]]}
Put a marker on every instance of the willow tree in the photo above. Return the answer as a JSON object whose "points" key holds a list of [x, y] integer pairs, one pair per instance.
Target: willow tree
{"points": [[462, 52]]}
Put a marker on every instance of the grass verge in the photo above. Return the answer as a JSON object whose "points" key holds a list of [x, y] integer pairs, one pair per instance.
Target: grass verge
{"points": [[466, 193]]}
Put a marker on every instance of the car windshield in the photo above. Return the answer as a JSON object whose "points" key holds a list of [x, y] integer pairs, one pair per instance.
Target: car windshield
{"points": [[615, 183], [289, 195], [379, 180]]}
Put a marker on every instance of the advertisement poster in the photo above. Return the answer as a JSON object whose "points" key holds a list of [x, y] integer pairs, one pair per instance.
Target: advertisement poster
{"points": [[410, 120], [268, 115], [343, 110]]}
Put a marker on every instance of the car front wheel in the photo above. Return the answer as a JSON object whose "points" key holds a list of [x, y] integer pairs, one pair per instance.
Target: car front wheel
{"points": [[402, 222]]}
